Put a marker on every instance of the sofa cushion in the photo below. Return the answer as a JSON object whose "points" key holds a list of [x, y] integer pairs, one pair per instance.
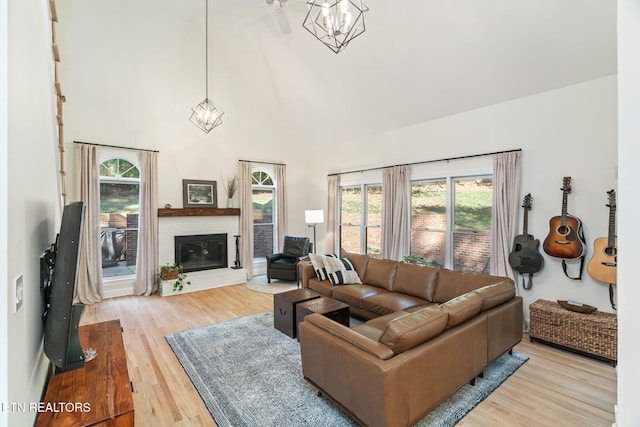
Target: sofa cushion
{"points": [[340, 271], [355, 294], [462, 308], [390, 302], [323, 287], [419, 307], [496, 294], [354, 338], [359, 261], [410, 330], [382, 321], [419, 281], [452, 284], [380, 273]]}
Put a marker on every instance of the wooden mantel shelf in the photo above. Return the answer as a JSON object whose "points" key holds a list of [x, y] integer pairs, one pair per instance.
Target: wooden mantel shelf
{"points": [[199, 212]]}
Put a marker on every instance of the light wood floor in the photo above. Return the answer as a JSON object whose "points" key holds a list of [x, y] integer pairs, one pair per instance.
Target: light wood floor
{"points": [[554, 388]]}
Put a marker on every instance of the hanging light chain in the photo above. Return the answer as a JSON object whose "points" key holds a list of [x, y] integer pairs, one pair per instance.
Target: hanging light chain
{"points": [[206, 48]]}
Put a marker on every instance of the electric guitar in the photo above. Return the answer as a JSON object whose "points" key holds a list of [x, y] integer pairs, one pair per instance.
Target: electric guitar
{"points": [[565, 238], [525, 256], [603, 263]]}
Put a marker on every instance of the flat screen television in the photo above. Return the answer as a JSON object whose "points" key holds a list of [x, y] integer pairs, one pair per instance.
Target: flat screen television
{"points": [[59, 270]]}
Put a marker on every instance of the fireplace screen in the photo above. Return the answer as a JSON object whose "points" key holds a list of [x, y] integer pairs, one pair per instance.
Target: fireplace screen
{"points": [[201, 252]]}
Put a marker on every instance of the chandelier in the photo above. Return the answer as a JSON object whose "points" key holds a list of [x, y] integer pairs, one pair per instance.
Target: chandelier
{"points": [[206, 115], [335, 23]]}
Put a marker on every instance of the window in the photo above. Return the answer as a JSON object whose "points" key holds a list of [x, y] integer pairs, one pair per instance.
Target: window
{"points": [[429, 221], [473, 199], [119, 206], [350, 218], [451, 222], [361, 219], [373, 220], [263, 192]]}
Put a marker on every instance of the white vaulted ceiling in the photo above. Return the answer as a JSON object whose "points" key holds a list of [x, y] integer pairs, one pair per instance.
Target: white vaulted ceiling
{"points": [[417, 61]]}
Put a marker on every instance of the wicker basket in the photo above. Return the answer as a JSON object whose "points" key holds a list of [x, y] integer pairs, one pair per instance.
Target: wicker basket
{"points": [[169, 273], [594, 334]]}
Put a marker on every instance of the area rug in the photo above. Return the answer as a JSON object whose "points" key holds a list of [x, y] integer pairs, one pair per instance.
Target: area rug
{"points": [[250, 374], [259, 284]]}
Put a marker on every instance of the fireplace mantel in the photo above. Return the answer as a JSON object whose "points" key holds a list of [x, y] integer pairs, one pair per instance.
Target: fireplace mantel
{"points": [[199, 212]]}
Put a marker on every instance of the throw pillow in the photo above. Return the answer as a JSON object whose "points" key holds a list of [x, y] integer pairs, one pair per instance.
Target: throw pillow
{"points": [[318, 265], [341, 271]]}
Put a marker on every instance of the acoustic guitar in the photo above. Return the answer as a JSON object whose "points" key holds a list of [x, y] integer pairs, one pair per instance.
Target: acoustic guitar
{"points": [[603, 263], [525, 256], [565, 238]]}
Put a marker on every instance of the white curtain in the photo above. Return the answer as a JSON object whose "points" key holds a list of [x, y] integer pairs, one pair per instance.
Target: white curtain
{"points": [[246, 217], [281, 200], [504, 215], [395, 212], [147, 260], [89, 284], [333, 198]]}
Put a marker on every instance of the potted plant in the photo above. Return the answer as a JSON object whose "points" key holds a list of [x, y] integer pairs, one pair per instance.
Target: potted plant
{"points": [[174, 272], [412, 259], [231, 185]]}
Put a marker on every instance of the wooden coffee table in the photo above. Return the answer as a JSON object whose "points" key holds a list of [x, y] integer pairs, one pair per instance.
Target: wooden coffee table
{"points": [[328, 307], [284, 309]]}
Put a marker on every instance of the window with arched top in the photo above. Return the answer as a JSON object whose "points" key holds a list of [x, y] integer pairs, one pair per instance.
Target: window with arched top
{"points": [[263, 197], [119, 169], [261, 178], [119, 208]]}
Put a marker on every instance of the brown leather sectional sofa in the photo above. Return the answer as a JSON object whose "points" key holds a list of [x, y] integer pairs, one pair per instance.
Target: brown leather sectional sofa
{"points": [[430, 332]]}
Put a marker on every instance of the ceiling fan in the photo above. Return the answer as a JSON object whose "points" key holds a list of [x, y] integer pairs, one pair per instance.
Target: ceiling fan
{"points": [[281, 16]]}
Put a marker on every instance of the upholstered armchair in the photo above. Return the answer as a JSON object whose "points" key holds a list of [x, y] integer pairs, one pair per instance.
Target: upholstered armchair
{"points": [[284, 265]]}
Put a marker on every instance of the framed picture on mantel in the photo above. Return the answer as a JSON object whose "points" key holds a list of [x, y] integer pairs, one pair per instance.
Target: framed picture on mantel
{"points": [[199, 194]]}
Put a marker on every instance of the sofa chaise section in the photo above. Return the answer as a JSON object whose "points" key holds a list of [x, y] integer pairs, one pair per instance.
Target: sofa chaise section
{"points": [[428, 332], [383, 387]]}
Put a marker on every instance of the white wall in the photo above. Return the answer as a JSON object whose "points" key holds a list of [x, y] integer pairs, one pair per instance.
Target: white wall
{"points": [[32, 196], [131, 76], [628, 230], [566, 132], [4, 212]]}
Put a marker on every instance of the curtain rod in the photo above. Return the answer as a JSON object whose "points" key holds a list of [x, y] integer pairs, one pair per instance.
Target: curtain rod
{"points": [[264, 163], [427, 161], [115, 146]]}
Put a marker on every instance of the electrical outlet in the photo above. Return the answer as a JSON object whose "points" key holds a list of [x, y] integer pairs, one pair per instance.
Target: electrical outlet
{"points": [[19, 294]]}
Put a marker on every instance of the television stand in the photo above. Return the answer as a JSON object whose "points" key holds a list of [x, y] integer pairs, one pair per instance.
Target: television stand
{"points": [[101, 389]]}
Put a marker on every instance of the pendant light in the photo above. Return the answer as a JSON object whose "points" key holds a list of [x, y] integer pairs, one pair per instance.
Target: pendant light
{"points": [[335, 22], [206, 115]]}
